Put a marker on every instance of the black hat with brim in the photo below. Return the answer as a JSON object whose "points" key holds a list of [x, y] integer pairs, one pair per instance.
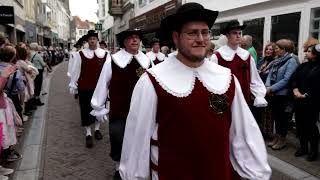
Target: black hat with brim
{"points": [[154, 40], [232, 25], [91, 33], [124, 34], [103, 42], [186, 13]]}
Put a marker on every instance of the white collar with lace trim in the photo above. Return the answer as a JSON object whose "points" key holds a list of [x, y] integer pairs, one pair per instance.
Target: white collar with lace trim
{"points": [[160, 56], [228, 54], [122, 58], [178, 79], [88, 53]]}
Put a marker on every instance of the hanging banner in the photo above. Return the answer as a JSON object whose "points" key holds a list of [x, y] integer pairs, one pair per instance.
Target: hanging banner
{"points": [[6, 15]]}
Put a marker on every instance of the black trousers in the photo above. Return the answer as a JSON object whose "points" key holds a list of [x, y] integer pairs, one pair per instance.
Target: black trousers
{"points": [[279, 106], [116, 133], [85, 107], [306, 115], [38, 83]]}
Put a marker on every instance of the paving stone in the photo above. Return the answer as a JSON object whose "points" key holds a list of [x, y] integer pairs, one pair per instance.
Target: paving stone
{"points": [[66, 156]]}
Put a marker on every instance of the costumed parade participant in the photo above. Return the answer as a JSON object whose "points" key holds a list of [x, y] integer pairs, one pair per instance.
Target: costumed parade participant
{"points": [[87, 66], [155, 55], [117, 80], [241, 64], [188, 118]]}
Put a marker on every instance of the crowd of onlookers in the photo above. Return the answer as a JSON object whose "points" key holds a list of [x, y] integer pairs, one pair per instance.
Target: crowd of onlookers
{"points": [[22, 68], [292, 94]]}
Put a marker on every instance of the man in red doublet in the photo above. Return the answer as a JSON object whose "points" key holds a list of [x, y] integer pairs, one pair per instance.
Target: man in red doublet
{"points": [[155, 55], [86, 67], [188, 118], [116, 81], [241, 64]]}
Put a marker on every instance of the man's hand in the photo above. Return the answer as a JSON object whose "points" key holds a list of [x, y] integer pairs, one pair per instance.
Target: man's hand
{"points": [[6, 72], [103, 118], [269, 91], [297, 94], [73, 90]]}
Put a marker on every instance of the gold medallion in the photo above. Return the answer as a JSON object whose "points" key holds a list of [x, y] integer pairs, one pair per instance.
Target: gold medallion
{"points": [[140, 71], [219, 103]]}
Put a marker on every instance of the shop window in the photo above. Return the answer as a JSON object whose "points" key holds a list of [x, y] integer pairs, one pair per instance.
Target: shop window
{"points": [[315, 23], [255, 29], [142, 3], [286, 26]]}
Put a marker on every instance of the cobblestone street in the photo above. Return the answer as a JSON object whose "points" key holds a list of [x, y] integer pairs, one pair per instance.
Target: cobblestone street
{"points": [[65, 155]]}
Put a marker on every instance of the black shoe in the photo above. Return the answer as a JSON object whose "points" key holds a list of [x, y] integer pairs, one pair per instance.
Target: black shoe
{"points": [[89, 142], [116, 176], [300, 152], [76, 96], [27, 113], [312, 156], [38, 102], [33, 107], [98, 135]]}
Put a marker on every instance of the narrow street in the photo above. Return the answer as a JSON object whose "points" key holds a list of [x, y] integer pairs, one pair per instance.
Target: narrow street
{"points": [[65, 155], [62, 154]]}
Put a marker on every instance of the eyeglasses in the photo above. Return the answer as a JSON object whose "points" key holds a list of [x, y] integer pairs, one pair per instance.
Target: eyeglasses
{"points": [[194, 34]]}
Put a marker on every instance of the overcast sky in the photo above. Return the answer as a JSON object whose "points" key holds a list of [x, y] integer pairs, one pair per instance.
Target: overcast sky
{"points": [[85, 9]]}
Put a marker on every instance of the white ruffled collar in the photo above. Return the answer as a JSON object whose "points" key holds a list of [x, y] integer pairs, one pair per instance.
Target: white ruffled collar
{"points": [[152, 56], [179, 79], [122, 58], [228, 54], [88, 53]]}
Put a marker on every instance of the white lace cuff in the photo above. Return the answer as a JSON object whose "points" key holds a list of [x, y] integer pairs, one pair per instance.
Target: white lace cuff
{"points": [[73, 85], [99, 113], [260, 102]]}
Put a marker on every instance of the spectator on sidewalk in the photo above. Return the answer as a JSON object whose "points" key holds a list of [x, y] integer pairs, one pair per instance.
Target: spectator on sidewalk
{"points": [[246, 43], [264, 66], [306, 88], [15, 85], [309, 42], [4, 75], [277, 84], [38, 63], [29, 72], [9, 117]]}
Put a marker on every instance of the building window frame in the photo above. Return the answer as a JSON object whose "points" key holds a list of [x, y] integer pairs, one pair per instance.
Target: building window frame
{"points": [[315, 29], [142, 3]]}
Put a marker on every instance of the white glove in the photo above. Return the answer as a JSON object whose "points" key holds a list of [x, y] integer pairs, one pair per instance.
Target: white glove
{"points": [[73, 90], [102, 119]]}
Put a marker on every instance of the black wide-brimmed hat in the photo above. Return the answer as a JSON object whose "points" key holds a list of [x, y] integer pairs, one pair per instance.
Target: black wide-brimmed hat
{"points": [[232, 25], [91, 33], [186, 13], [124, 34], [103, 42], [154, 40]]}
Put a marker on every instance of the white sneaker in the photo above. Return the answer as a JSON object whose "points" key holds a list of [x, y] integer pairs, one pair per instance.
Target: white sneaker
{"points": [[5, 171], [3, 177]]}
